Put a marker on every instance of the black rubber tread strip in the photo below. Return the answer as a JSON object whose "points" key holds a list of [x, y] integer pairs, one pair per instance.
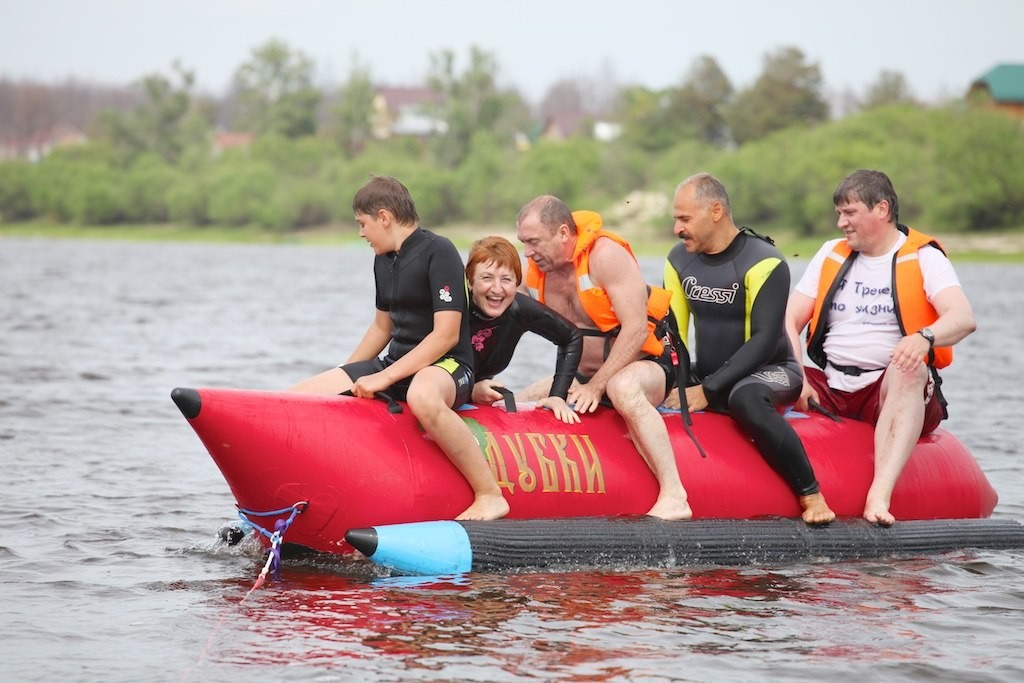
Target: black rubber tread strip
{"points": [[594, 542]]}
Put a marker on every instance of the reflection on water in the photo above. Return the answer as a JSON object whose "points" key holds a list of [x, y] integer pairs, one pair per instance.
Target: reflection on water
{"points": [[627, 625], [112, 570]]}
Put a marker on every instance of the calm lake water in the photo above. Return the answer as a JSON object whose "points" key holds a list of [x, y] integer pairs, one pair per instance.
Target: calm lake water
{"points": [[111, 568]]}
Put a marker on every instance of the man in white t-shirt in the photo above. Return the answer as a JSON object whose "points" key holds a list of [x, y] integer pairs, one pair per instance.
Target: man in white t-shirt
{"points": [[884, 307]]}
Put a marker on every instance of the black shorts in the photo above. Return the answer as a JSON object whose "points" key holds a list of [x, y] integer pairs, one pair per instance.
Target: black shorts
{"points": [[461, 375], [664, 361]]}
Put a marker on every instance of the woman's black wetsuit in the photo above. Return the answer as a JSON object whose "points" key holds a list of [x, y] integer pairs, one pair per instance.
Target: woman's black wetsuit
{"points": [[494, 339]]}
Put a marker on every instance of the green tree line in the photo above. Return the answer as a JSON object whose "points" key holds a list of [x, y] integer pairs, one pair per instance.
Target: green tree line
{"points": [[957, 168]]}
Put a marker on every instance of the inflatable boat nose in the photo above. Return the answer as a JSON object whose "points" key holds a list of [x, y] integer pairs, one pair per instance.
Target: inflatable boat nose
{"points": [[188, 401], [363, 540]]}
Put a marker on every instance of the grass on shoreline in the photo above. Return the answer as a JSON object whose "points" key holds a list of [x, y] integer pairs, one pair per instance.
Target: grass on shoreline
{"points": [[1001, 247]]}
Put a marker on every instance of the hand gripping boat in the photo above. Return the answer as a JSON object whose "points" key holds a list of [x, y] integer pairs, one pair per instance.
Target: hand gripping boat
{"points": [[358, 465]]}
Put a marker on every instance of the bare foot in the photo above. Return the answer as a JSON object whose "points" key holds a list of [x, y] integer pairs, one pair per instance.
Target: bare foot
{"points": [[878, 513], [485, 507], [671, 508], [816, 510]]}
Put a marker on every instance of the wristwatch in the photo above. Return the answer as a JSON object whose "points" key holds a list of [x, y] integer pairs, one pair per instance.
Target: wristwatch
{"points": [[927, 333]]}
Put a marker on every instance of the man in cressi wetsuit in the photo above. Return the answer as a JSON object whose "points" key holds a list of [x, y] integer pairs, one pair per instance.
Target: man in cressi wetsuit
{"points": [[885, 308], [734, 284], [500, 316], [590, 276], [422, 319]]}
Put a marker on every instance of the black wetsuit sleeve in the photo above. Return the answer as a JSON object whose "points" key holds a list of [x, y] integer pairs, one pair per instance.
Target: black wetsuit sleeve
{"points": [[767, 327], [447, 279], [535, 317]]}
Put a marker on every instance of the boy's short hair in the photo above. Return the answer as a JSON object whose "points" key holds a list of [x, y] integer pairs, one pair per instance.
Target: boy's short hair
{"points": [[385, 192]]}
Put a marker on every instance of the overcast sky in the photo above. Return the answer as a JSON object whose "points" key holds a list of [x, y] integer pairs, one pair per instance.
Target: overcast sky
{"points": [[940, 46]]}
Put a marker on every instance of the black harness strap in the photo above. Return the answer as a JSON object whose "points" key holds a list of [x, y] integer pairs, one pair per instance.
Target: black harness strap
{"points": [[681, 361], [608, 337], [814, 405], [394, 406], [853, 371], [510, 398], [938, 389]]}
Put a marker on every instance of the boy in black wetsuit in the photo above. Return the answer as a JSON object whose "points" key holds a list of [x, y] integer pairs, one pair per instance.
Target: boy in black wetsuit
{"points": [[735, 285], [422, 319]]}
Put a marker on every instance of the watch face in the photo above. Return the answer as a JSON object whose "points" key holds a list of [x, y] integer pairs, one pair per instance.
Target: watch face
{"points": [[927, 333]]}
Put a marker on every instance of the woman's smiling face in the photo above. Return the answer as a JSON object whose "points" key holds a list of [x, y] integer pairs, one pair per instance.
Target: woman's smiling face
{"points": [[493, 288]]}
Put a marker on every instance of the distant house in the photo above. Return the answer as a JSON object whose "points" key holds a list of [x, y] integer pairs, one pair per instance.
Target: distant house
{"points": [[1001, 88], [39, 144], [225, 140], [405, 112], [568, 124]]}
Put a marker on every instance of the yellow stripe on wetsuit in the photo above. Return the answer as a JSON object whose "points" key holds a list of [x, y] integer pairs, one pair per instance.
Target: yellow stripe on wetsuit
{"points": [[753, 280]]}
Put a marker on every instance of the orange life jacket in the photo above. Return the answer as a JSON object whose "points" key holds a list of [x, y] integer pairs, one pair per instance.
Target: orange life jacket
{"points": [[912, 308], [595, 300]]}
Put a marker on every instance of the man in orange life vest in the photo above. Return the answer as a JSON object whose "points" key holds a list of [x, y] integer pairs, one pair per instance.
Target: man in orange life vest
{"points": [[591, 277], [885, 307]]}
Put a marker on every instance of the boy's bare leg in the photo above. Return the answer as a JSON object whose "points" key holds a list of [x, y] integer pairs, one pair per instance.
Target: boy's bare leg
{"points": [[333, 381], [430, 396]]}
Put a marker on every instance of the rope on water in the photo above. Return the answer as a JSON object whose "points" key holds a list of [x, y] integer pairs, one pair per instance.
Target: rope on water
{"points": [[273, 563]]}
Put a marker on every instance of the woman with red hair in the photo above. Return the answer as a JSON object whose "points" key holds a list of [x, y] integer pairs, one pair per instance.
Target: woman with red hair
{"points": [[500, 315]]}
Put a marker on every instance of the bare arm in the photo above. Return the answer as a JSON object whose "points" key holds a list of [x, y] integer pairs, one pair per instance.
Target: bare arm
{"points": [[434, 346], [955, 321], [798, 313], [956, 317], [376, 337], [799, 309], [614, 270]]}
